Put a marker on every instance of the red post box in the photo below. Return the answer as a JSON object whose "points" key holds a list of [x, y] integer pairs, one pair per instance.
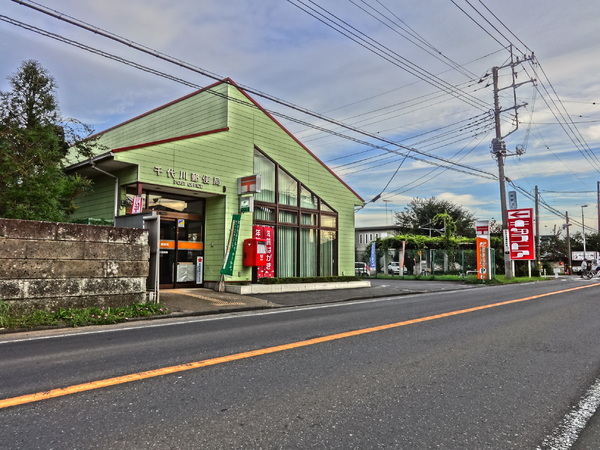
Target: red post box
{"points": [[255, 252]]}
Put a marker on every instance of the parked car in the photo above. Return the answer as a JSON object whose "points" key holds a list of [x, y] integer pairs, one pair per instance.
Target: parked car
{"points": [[361, 269], [394, 268]]}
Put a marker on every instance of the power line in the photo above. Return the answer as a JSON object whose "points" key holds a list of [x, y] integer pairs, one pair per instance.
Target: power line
{"points": [[439, 160], [384, 52]]}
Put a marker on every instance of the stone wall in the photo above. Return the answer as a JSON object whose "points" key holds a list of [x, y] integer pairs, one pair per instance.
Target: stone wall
{"points": [[49, 265]]}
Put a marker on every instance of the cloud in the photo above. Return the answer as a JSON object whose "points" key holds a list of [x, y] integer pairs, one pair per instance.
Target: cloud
{"points": [[409, 94]]}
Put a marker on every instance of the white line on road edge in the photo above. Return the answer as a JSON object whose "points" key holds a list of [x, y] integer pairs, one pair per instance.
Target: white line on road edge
{"points": [[167, 321], [566, 433]]}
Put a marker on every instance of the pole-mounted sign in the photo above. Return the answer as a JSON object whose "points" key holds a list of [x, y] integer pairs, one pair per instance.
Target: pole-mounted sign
{"points": [[520, 234]]}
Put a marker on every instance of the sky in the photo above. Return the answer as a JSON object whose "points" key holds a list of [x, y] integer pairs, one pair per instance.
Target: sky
{"points": [[396, 96]]}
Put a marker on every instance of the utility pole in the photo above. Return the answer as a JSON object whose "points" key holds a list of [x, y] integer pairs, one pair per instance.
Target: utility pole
{"points": [[499, 146]]}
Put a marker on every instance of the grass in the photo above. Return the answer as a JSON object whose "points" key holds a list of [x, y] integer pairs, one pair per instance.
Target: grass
{"points": [[11, 317]]}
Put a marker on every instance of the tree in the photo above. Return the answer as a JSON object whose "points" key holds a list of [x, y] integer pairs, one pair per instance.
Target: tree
{"points": [[34, 141], [432, 216]]}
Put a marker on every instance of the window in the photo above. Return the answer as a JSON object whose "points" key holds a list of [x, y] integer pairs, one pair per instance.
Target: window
{"points": [[287, 190], [360, 240], [328, 221], [288, 216], [306, 227], [328, 241], [266, 169], [264, 214], [286, 251], [308, 252], [308, 199]]}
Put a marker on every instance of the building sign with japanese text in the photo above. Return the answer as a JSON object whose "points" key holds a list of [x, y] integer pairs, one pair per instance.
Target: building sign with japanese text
{"points": [[187, 179], [520, 234], [267, 233], [482, 242], [137, 204]]}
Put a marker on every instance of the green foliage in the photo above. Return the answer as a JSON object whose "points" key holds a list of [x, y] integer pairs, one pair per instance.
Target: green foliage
{"points": [[436, 217], [420, 242], [11, 317], [34, 141]]}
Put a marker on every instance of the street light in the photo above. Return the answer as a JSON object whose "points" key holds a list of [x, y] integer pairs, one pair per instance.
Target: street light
{"points": [[583, 228]]}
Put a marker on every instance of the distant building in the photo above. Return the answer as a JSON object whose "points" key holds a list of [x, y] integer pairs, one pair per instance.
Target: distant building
{"points": [[363, 236]]}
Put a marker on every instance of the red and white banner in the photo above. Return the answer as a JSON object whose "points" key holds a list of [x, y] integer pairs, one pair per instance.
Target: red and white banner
{"points": [[482, 242], [267, 233], [520, 234], [137, 204]]}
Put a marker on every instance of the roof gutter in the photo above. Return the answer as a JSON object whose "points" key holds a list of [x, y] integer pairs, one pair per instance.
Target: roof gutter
{"points": [[116, 199]]}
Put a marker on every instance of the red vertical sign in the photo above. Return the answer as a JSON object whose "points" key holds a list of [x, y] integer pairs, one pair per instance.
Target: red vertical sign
{"points": [[482, 242], [267, 233], [520, 234]]}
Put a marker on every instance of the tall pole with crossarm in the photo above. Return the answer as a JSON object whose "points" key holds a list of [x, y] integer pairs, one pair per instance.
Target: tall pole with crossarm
{"points": [[499, 147]]}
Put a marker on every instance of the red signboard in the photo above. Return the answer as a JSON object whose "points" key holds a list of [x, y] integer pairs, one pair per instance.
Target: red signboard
{"points": [[520, 234], [482, 241], [267, 233], [249, 184]]}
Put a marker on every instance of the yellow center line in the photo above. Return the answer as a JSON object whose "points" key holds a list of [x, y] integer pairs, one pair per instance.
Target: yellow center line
{"points": [[98, 384]]}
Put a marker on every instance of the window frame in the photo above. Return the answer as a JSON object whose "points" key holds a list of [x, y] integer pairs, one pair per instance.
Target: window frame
{"points": [[322, 210]]}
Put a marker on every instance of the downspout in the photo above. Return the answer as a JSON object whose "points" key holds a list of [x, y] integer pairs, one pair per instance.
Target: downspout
{"points": [[116, 211]]}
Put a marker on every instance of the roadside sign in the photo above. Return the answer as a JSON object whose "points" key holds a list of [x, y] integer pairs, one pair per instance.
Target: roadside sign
{"points": [[482, 229], [520, 234]]}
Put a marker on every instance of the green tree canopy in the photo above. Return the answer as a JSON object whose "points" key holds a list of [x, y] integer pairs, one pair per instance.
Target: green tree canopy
{"points": [[433, 217], [34, 140]]}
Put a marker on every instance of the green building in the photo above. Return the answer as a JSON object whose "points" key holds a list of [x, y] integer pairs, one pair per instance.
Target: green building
{"points": [[193, 163]]}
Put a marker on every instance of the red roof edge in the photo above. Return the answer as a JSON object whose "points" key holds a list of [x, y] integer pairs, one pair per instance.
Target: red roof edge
{"points": [[173, 139], [147, 113]]}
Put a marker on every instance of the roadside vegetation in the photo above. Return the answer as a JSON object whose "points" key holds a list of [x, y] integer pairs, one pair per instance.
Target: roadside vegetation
{"points": [[498, 279], [13, 318]]}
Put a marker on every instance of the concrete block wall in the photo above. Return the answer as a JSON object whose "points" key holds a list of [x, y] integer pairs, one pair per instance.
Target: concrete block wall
{"points": [[50, 265]]}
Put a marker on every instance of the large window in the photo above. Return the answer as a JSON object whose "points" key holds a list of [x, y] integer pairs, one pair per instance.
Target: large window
{"points": [[266, 168], [306, 227]]}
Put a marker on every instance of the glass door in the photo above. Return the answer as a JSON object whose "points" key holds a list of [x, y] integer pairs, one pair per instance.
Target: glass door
{"points": [[181, 246]]}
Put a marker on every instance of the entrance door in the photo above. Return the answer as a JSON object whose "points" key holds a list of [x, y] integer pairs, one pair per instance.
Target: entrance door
{"points": [[181, 244]]}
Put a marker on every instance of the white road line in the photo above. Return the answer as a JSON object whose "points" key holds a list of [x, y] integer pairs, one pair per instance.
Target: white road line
{"points": [[167, 322], [566, 433]]}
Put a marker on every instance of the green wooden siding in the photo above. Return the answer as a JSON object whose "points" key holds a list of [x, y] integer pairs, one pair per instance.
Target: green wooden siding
{"points": [[99, 203], [199, 113]]}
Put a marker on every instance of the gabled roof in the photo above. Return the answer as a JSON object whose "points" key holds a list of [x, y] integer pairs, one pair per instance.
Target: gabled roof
{"points": [[175, 138]]}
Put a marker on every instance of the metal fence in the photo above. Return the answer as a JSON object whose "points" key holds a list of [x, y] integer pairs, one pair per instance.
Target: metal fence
{"points": [[427, 262]]}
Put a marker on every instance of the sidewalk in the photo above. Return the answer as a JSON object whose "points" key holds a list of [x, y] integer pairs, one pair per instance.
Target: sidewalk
{"points": [[206, 301]]}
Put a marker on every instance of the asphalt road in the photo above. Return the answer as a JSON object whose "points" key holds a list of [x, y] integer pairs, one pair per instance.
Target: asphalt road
{"points": [[439, 370]]}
